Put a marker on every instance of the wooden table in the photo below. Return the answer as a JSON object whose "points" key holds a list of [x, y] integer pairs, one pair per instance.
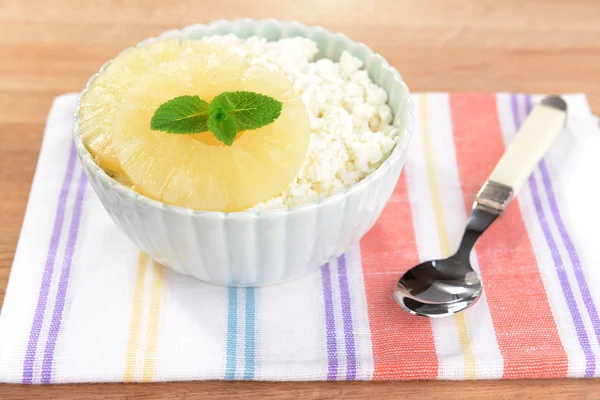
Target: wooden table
{"points": [[52, 47]]}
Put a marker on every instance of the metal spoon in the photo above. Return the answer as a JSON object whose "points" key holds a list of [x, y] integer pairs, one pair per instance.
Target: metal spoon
{"points": [[443, 287]]}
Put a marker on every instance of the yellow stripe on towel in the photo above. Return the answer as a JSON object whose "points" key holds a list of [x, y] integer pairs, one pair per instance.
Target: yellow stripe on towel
{"points": [[136, 319], [459, 319], [153, 320]]}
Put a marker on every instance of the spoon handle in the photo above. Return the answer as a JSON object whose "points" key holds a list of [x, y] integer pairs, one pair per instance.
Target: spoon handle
{"points": [[535, 136]]}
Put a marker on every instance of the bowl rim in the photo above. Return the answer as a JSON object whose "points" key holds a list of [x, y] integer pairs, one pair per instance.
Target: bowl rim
{"points": [[396, 155]]}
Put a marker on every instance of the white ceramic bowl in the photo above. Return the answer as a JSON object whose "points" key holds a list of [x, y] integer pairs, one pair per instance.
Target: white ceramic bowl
{"points": [[254, 248]]}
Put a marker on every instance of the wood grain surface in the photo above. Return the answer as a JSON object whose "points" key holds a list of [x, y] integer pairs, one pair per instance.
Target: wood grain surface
{"points": [[49, 47]]}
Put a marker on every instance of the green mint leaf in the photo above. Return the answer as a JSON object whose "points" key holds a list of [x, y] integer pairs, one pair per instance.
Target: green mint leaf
{"points": [[223, 126], [182, 115], [250, 110]]}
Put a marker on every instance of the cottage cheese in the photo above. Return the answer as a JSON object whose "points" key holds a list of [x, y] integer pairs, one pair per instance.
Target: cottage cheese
{"points": [[351, 131]]}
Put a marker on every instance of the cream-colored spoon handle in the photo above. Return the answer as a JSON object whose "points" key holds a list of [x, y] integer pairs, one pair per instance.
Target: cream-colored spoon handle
{"points": [[536, 135]]}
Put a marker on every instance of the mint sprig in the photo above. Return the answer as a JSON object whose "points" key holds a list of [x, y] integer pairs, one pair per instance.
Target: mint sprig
{"points": [[225, 116]]}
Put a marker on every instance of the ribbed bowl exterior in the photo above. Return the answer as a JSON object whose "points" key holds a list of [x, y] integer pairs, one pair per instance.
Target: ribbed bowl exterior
{"points": [[255, 248]]}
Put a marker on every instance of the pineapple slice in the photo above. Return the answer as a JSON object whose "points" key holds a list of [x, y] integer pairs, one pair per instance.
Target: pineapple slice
{"points": [[98, 106], [197, 171]]}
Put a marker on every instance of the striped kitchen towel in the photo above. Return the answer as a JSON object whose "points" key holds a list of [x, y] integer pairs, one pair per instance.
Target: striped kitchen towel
{"points": [[83, 305]]}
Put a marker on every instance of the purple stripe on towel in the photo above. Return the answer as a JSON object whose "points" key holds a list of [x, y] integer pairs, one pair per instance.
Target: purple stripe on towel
{"points": [[332, 361], [63, 282], [566, 239], [38, 318], [347, 319], [558, 262]]}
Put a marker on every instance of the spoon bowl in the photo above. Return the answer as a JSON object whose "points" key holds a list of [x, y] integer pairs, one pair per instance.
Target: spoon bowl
{"points": [[439, 287], [441, 281]]}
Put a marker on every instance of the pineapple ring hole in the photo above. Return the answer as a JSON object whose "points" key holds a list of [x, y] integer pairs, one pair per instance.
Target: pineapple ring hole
{"points": [[209, 138]]}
